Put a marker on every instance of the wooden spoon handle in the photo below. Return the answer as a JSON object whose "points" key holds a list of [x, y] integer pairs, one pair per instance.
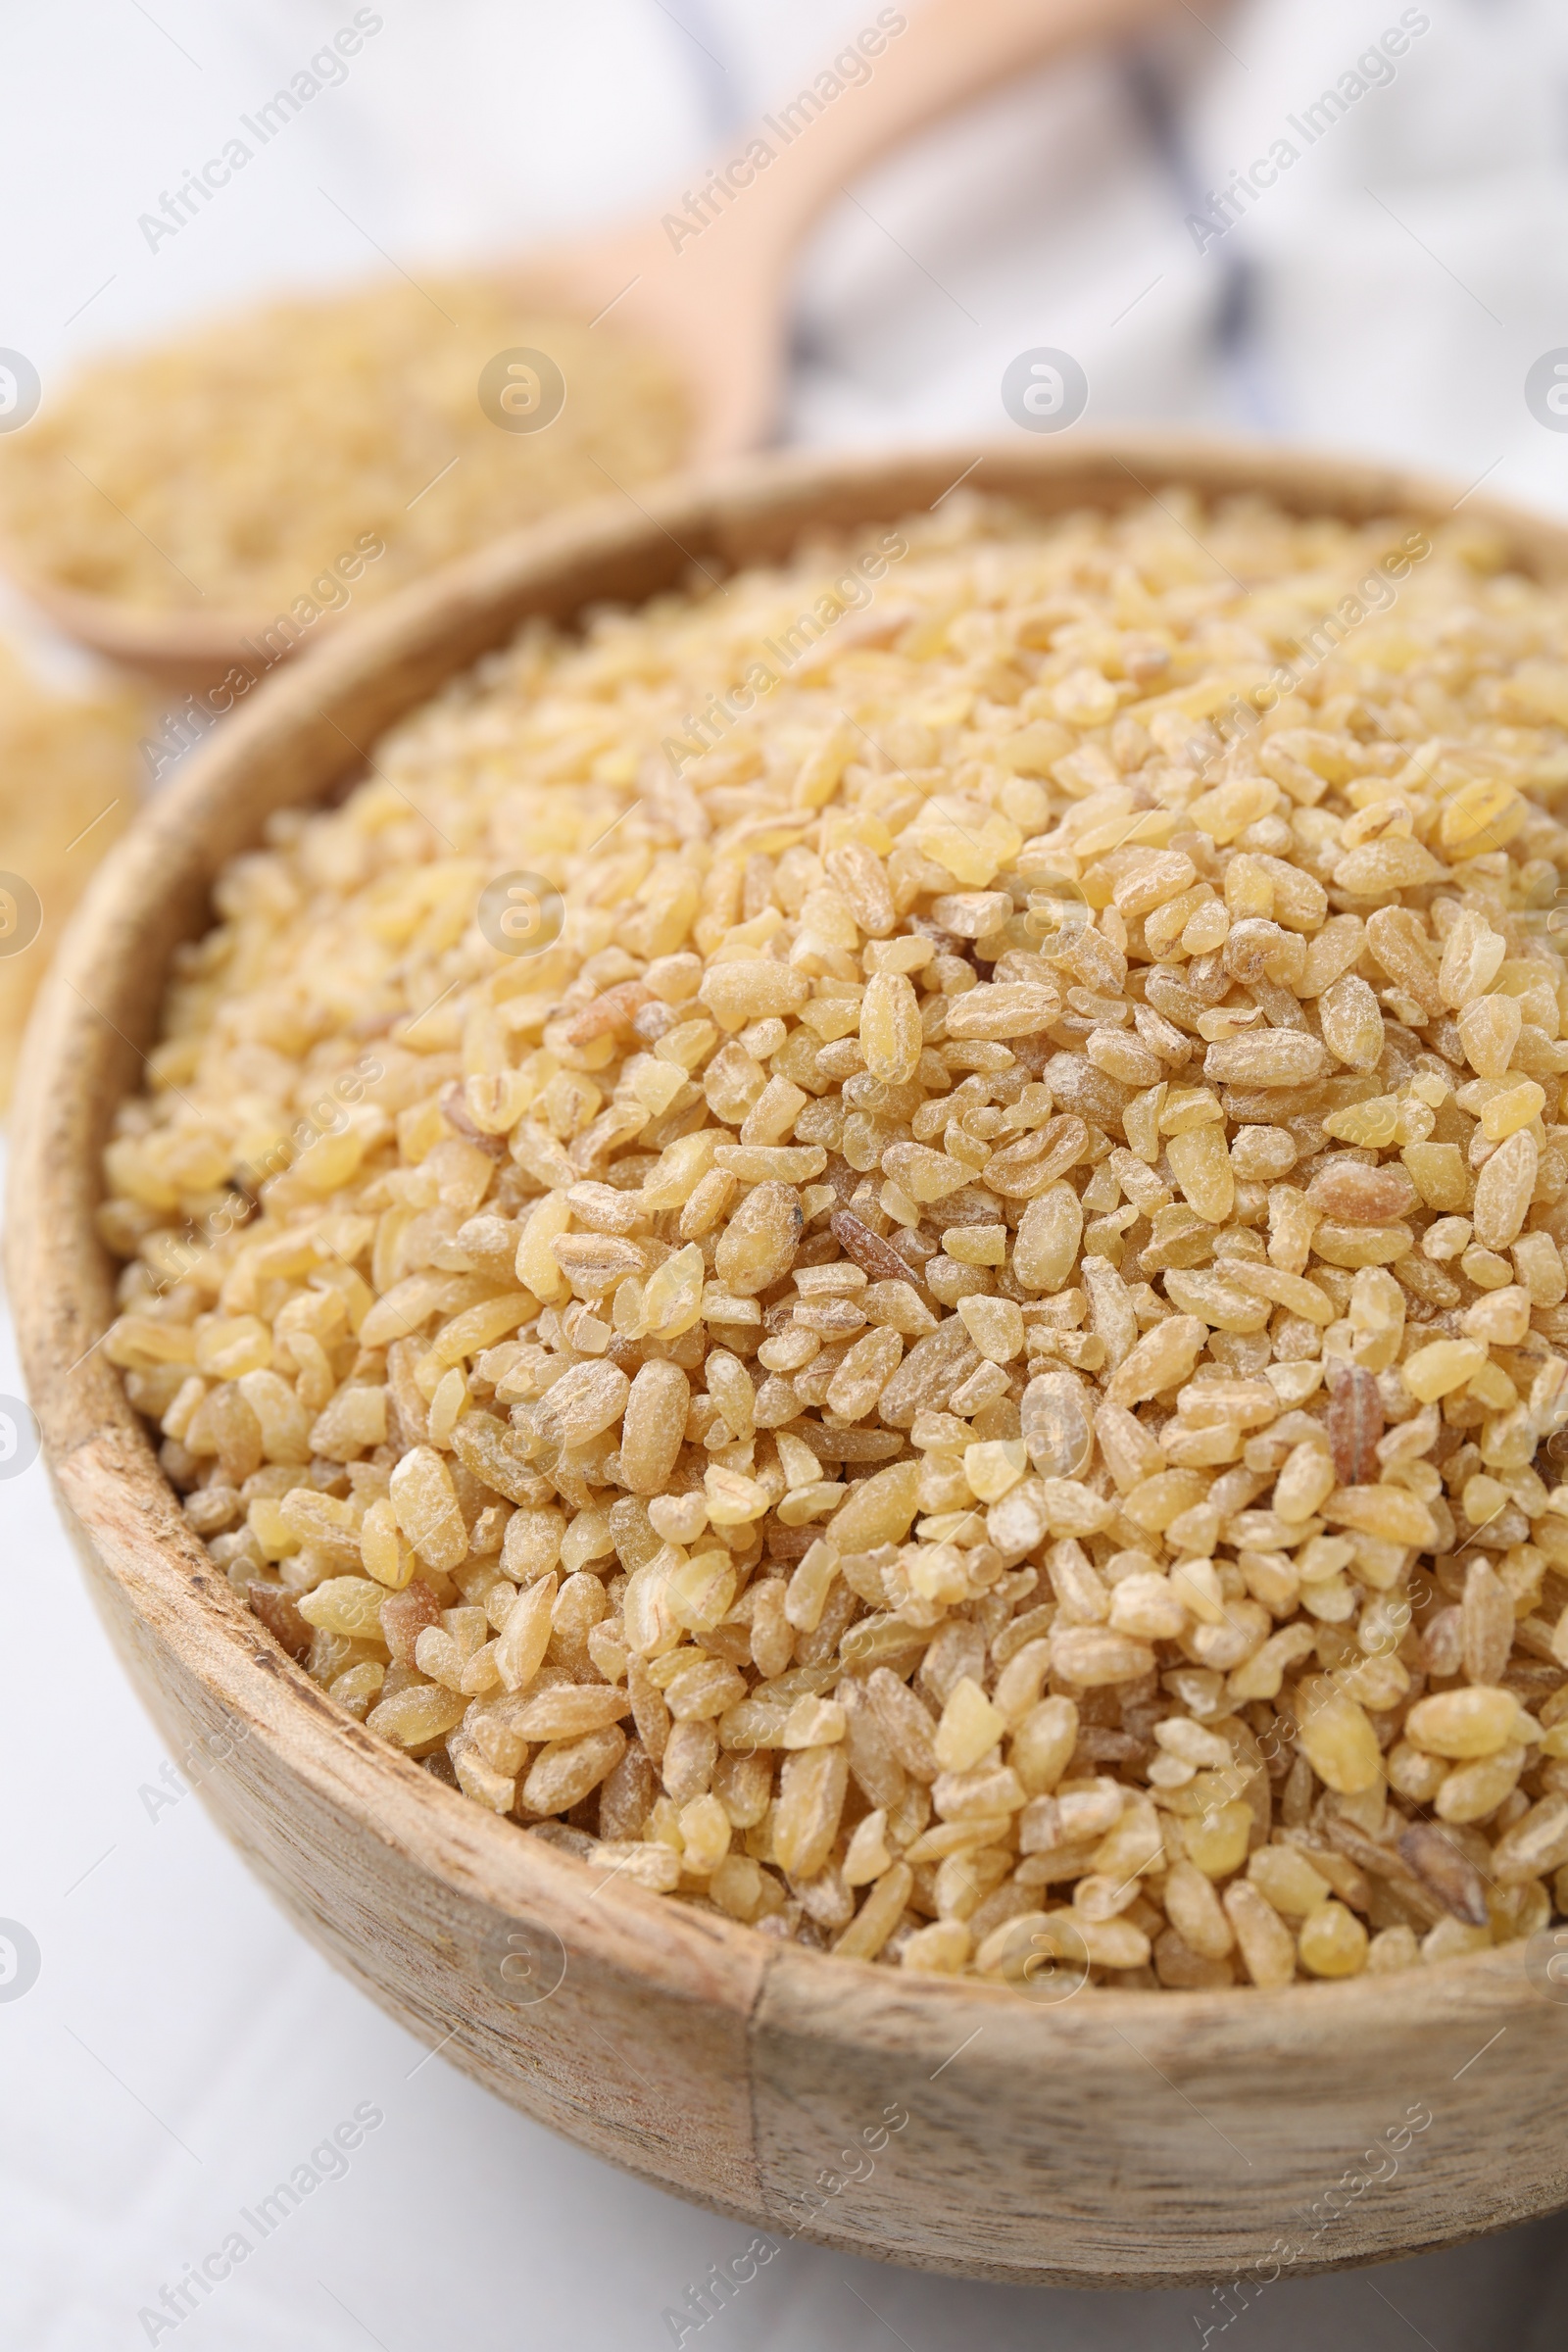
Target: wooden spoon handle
{"points": [[935, 57]]}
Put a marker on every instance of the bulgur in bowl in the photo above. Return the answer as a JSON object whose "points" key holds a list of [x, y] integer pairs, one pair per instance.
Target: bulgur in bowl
{"points": [[853, 1288]]}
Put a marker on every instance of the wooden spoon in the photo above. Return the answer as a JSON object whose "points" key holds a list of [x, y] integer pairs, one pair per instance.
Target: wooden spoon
{"points": [[717, 296], [707, 283]]}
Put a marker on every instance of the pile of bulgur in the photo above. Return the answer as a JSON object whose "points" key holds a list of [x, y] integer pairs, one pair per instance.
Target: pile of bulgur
{"points": [[70, 783], [228, 470], [958, 1369]]}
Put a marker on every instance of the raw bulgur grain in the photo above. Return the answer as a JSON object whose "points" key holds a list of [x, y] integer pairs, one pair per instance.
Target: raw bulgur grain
{"points": [[227, 470], [69, 784], [960, 1359]]}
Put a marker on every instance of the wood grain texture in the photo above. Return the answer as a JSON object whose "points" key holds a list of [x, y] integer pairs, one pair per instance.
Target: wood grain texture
{"points": [[1115, 2139]]}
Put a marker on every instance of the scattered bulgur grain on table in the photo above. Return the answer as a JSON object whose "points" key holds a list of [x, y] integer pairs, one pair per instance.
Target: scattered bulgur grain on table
{"points": [[973, 1350], [70, 781]]}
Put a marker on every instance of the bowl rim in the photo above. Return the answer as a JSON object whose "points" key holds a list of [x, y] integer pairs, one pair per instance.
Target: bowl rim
{"points": [[105, 1468]]}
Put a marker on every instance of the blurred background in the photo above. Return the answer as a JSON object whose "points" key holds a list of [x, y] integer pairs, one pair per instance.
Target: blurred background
{"points": [[1387, 295], [1399, 290]]}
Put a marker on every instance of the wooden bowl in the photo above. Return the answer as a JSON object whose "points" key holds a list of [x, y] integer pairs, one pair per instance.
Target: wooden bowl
{"points": [[1115, 2139]]}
